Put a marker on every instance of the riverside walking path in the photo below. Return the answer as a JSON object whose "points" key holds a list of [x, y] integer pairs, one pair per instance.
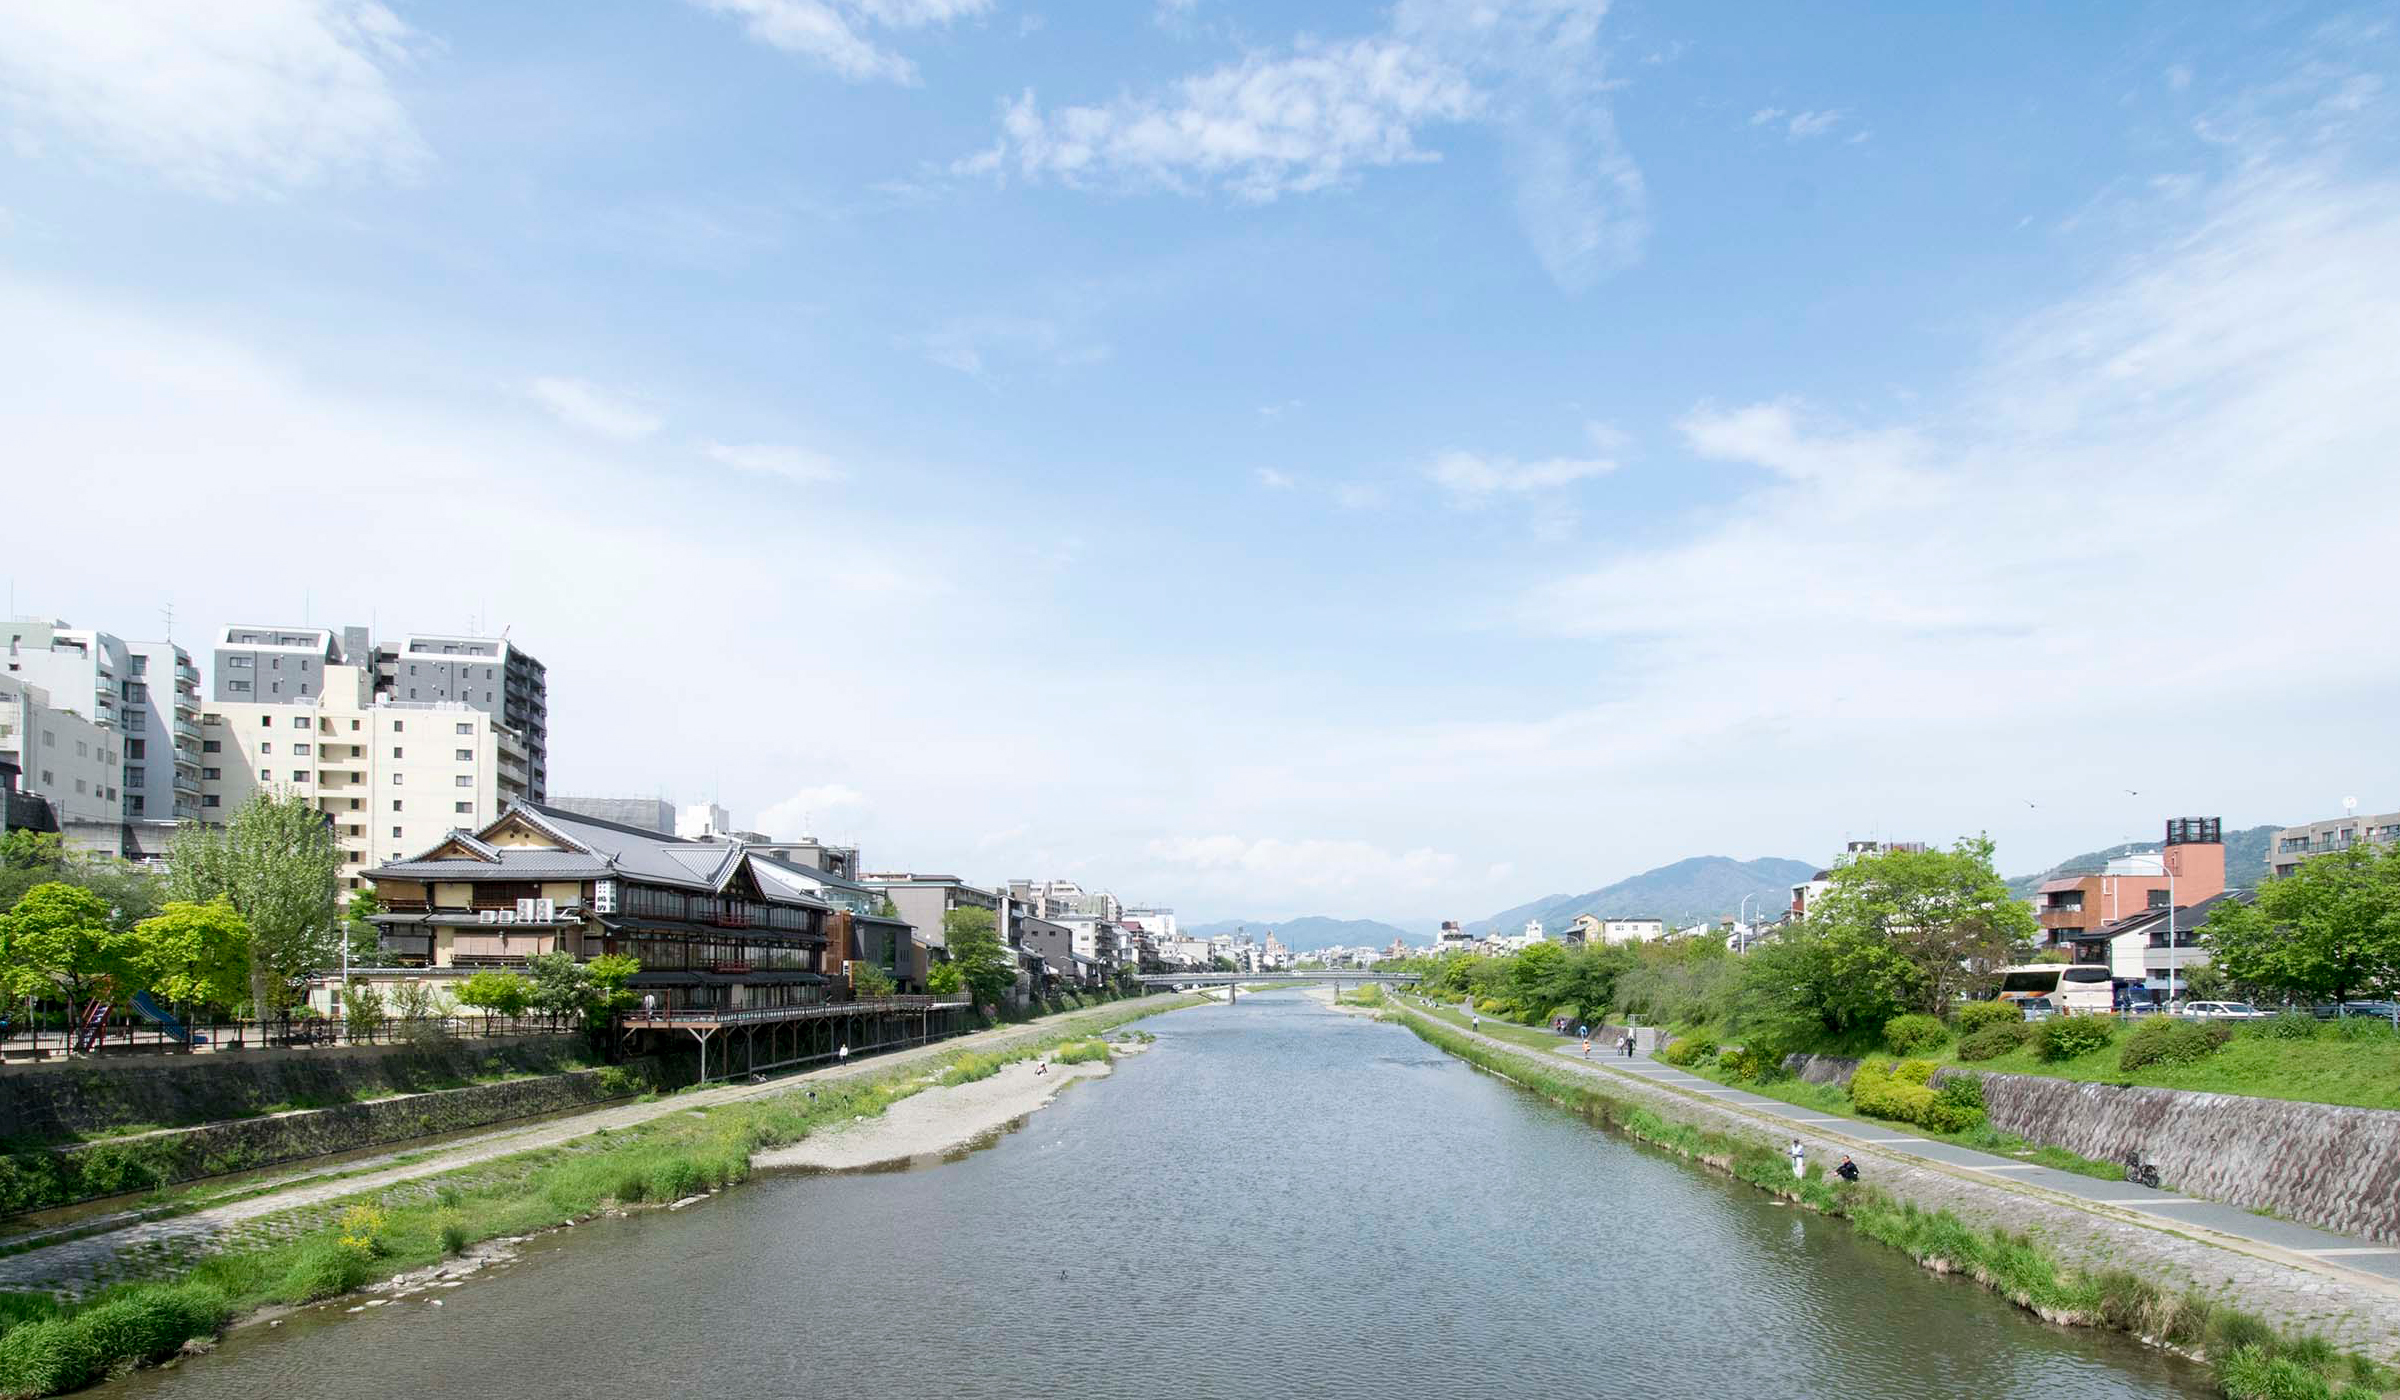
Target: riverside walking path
{"points": [[2302, 1277], [130, 1244]]}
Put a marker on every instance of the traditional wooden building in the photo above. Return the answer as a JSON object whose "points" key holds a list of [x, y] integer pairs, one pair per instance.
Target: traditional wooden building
{"points": [[730, 941]]}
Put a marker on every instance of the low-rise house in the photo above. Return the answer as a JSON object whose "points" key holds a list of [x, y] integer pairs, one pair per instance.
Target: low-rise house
{"points": [[2151, 954]]}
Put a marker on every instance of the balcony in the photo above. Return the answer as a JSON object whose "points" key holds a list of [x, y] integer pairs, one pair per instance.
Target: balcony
{"points": [[185, 728]]}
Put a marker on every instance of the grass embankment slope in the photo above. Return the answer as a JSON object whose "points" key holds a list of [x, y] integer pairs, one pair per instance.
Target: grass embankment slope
{"points": [[2355, 1063], [48, 1345], [2252, 1360]]}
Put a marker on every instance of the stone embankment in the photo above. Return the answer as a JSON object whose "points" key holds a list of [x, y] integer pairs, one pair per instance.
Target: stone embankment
{"points": [[2354, 1310], [2334, 1167]]}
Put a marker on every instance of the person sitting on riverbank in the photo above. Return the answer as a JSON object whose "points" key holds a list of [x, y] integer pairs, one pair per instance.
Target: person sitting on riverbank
{"points": [[1847, 1171]]}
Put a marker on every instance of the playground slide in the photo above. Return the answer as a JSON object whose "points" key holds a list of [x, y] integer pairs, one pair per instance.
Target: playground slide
{"points": [[151, 1010]]}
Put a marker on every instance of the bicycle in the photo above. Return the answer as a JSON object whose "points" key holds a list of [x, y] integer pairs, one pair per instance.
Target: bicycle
{"points": [[2139, 1172]]}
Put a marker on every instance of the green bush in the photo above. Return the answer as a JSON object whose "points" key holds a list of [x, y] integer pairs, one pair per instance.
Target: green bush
{"points": [[1992, 1041], [2172, 1042], [1914, 1035], [1983, 1015], [2291, 1025], [1689, 1050], [325, 1268], [1077, 1052], [145, 1322], [1957, 1104], [1748, 1063], [1914, 1071], [2065, 1037], [1879, 1091]]}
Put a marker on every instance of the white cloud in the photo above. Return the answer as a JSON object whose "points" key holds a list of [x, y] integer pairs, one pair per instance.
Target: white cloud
{"points": [[1473, 478], [800, 814], [1310, 866], [1798, 126], [230, 98], [1319, 114], [769, 459], [974, 344], [1274, 480], [836, 32], [1264, 127], [587, 406]]}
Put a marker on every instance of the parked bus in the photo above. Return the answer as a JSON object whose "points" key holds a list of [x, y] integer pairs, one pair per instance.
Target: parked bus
{"points": [[2072, 989]]}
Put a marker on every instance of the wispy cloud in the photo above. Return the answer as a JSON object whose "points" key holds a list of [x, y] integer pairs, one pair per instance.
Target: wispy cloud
{"points": [[1318, 115], [233, 98], [799, 814], [581, 404], [1474, 478], [1798, 126], [769, 459], [1274, 480], [836, 33], [975, 344]]}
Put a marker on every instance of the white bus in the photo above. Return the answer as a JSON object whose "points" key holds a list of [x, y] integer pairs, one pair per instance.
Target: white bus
{"points": [[2070, 989]]}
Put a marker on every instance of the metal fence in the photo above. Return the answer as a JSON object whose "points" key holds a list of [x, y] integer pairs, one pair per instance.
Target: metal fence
{"points": [[136, 1036]]}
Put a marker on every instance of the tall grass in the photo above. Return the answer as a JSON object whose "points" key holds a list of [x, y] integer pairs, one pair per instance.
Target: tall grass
{"points": [[2252, 1359]]}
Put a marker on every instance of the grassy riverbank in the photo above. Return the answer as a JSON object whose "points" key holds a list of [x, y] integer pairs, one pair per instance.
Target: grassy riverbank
{"points": [[48, 1345], [2251, 1358]]}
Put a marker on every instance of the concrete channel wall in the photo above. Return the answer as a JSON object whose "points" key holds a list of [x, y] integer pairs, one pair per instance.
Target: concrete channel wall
{"points": [[2333, 1167]]}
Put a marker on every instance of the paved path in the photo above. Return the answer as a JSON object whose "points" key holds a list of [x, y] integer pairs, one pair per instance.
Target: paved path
{"points": [[2167, 1208], [140, 1246]]}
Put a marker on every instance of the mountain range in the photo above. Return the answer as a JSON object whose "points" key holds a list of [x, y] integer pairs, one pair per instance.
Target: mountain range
{"points": [[2245, 860], [1699, 887], [1311, 932]]}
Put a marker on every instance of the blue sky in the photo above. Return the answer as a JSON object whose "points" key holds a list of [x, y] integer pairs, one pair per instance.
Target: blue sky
{"points": [[1364, 460]]}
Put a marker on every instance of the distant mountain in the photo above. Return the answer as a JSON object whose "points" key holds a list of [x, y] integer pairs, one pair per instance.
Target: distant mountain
{"points": [[1310, 932], [1701, 887], [2245, 860]]}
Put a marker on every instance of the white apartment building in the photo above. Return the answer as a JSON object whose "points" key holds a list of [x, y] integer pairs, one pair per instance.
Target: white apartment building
{"points": [[395, 776], [62, 755], [148, 694]]}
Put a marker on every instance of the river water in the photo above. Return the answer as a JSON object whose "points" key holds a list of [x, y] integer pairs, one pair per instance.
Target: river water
{"points": [[1277, 1199]]}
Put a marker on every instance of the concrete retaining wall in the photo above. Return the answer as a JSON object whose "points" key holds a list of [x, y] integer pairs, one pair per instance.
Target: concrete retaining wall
{"points": [[2335, 1168], [63, 1100]]}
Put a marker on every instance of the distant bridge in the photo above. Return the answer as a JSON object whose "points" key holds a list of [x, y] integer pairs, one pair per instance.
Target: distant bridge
{"points": [[1233, 982]]}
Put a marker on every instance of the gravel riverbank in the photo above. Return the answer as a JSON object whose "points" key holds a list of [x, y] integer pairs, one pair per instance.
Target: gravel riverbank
{"points": [[933, 1122]]}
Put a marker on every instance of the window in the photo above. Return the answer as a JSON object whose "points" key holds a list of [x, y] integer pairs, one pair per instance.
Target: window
{"points": [[395, 833], [212, 746], [462, 807], [299, 775], [396, 777], [212, 774], [463, 781], [134, 805], [466, 729], [354, 726], [49, 738], [239, 663], [466, 755], [396, 751], [48, 778], [234, 687], [299, 721], [356, 803], [84, 750], [208, 799], [397, 726], [2158, 899], [266, 748], [395, 804], [275, 687], [301, 749], [354, 857], [265, 720], [133, 777], [80, 787]]}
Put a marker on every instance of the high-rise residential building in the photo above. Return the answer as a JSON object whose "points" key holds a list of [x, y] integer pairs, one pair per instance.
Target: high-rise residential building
{"points": [[148, 695], [68, 760], [392, 776], [492, 674], [257, 664], [648, 813]]}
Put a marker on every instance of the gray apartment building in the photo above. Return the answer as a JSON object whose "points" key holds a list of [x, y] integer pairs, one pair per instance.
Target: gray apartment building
{"points": [[492, 674], [648, 813], [257, 665], [2295, 844]]}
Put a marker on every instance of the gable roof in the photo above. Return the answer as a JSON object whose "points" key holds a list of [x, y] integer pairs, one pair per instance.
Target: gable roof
{"points": [[589, 848], [2188, 917]]}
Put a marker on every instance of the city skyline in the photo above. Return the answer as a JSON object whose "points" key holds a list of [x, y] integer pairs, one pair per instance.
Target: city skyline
{"points": [[1356, 464]]}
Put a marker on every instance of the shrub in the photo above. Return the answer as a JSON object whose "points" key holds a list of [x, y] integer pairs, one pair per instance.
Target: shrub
{"points": [[1992, 1041], [1076, 1052], [2065, 1037], [1957, 1105], [361, 1228], [1913, 1071], [1747, 1063], [1982, 1015], [2291, 1025], [453, 1234], [324, 1268], [1914, 1035], [2172, 1042], [1877, 1091], [1688, 1050]]}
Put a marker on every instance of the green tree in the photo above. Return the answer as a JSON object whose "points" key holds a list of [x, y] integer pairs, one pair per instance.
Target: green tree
{"points": [[363, 1009], [496, 994], [2329, 929], [29, 858], [562, 987], [191, 953], [277, 862], [983, 961], [358, 928], [609, 979], [868, 980], [1916, 929], [57, 941], [945, 979]]}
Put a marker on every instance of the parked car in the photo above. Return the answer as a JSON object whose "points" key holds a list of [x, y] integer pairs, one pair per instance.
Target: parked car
{"points": [[2223, 1011], [2142, 1008], [2377, 1010]]}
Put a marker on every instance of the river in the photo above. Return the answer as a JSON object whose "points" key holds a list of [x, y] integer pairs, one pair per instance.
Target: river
{"points": [[1278, 1199]]}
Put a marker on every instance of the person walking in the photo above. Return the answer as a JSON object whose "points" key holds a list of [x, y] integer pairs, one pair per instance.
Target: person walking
{"points": [[1587, 1047], [1799, 1160], [1629, 1042]]}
